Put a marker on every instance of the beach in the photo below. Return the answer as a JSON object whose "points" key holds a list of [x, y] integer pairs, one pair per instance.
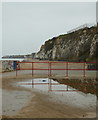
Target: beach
{"points": [[31, 103]]}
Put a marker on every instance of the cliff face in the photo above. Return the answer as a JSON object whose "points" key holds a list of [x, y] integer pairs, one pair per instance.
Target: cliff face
{"points": [[79, 45]]}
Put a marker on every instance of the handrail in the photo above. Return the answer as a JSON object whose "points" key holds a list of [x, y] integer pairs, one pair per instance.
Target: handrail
{"points": [[50, 64]]}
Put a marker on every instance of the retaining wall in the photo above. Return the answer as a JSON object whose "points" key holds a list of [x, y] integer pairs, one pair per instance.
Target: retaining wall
{"points": [[7, 66]]}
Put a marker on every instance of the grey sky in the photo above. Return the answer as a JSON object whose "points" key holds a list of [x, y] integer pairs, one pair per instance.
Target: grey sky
{"points": [[97, 11], [26, 26]]}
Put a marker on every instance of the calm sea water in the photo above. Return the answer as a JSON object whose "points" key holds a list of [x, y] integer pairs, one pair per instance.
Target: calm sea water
{"points": [[13, 59]]}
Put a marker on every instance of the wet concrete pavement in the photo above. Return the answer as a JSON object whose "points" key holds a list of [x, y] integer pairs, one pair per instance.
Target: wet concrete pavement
{"points": [[91, 74]]}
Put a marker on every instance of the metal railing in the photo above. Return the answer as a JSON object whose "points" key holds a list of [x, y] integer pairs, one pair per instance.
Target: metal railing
{"points": [[82, 27], [49, 68]]}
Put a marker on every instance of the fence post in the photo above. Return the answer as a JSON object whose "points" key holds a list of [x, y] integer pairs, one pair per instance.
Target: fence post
{"points": [[50, 69], [84, 70], [66, 69], [16, 69], [32, 69], [49, 74], [19, 65], [32, 76]]}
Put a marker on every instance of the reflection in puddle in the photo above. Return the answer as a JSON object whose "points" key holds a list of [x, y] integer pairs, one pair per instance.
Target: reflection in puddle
{"points": [[73, 98], [45, 84]]}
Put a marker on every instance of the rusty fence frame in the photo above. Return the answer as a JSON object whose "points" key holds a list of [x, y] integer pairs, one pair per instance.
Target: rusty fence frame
{"points": [[49, 69]]}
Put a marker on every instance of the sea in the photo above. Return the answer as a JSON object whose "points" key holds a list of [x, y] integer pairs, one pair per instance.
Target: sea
{"points": [[12, 59]]}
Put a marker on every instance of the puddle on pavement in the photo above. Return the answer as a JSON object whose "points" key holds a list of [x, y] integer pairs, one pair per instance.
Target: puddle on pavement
{"points": [[60, 94], [45, 84], [13, 101]]}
